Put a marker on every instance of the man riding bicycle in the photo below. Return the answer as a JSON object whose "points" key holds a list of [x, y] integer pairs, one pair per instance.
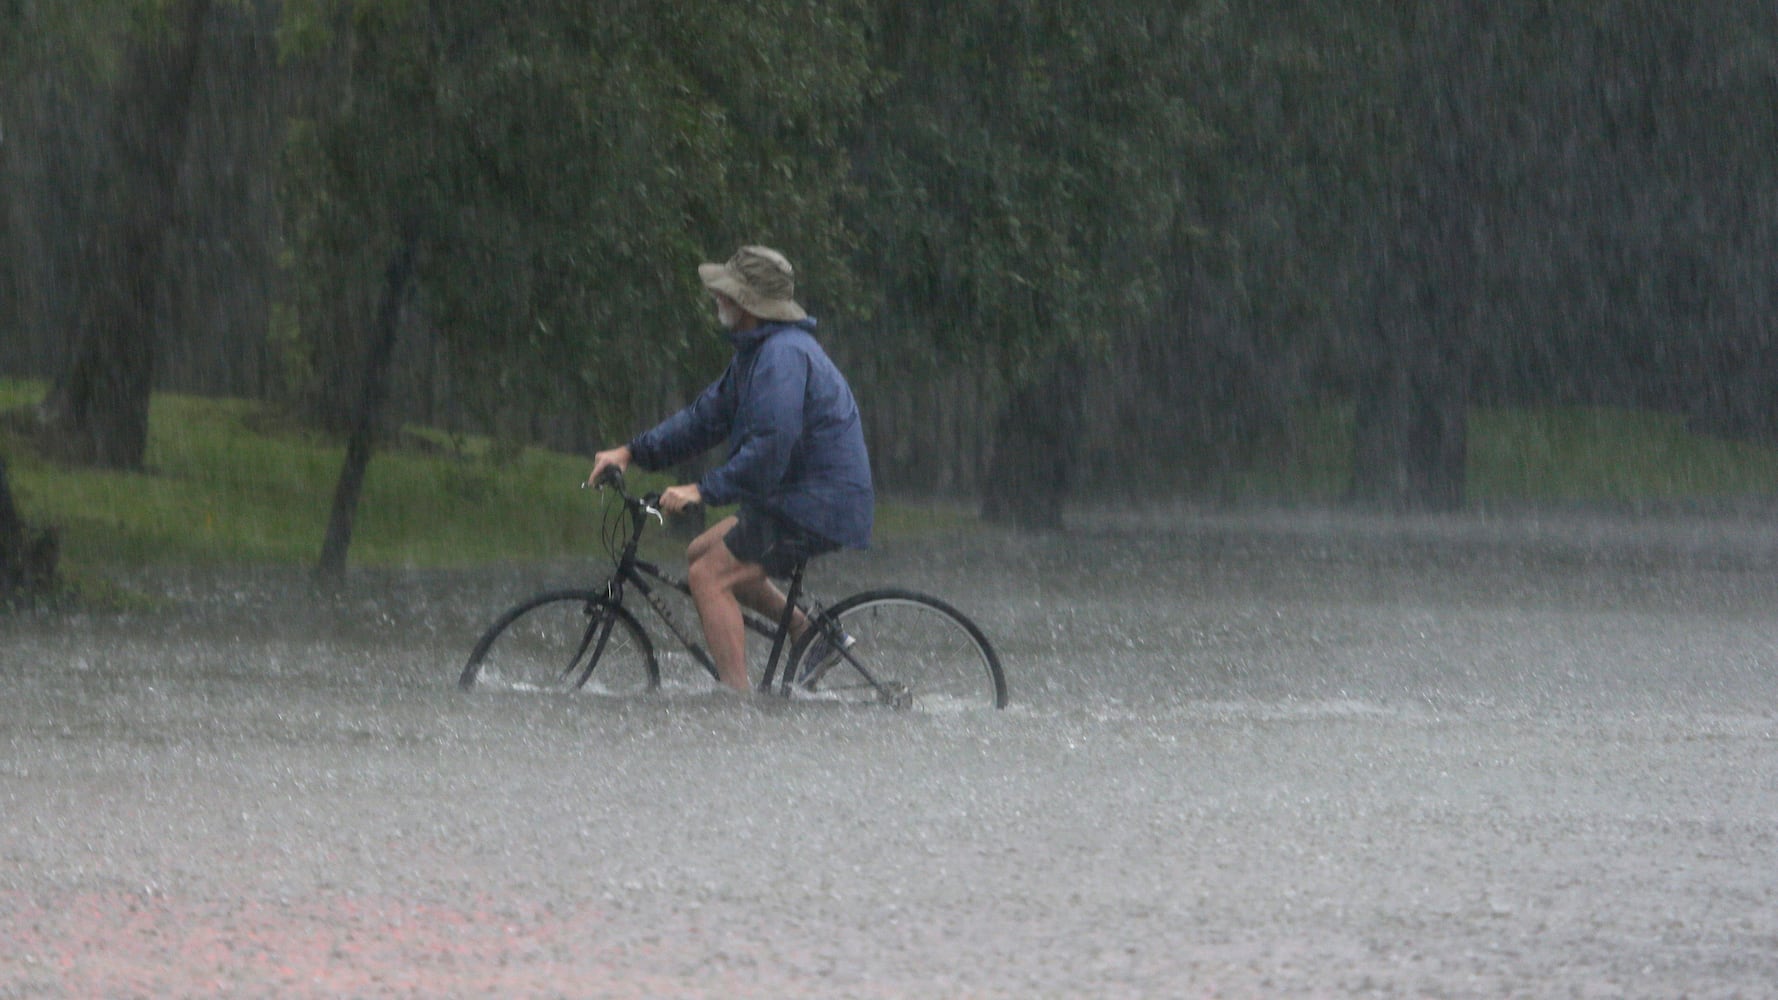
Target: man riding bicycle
{"points": [[797, 463]]}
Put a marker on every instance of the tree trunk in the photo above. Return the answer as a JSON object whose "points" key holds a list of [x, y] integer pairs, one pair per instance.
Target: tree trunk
{"points": [[97, 412], [1434, 230], [1410, 440], [1032, 471], [27, 557], [373, 392], [12, 541]]}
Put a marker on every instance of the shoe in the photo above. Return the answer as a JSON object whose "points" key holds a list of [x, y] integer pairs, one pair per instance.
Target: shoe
{"points": [[820, 657]]}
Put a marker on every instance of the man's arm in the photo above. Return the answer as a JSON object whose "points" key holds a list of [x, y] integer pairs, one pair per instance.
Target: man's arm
{"points": [[697, 428], [693, 429], [770, 421]]}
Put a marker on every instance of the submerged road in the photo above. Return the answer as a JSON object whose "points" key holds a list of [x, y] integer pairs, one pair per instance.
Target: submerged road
{"points": [[1248, 755]]}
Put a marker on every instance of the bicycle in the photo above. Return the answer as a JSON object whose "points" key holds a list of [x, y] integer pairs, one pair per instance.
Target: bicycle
{"points": [[889, 646]]}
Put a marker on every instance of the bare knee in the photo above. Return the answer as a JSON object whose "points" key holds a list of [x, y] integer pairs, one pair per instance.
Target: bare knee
{"points": [[704, 576], [699, 547], [705, 544]]}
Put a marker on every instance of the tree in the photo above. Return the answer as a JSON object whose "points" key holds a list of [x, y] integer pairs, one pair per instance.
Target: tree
{"points": [[97, 411], [1412, 137], [1542, 202], [28, 555], [1019, 172], [397, 284], [549, 176]]}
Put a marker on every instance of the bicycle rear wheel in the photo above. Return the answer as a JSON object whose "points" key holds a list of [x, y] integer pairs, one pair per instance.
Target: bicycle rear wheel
{"points": [[908, 649], [562, 641]]}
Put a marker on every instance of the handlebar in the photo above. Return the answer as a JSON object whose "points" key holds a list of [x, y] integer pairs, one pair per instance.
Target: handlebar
{"points": [[647, 503]]}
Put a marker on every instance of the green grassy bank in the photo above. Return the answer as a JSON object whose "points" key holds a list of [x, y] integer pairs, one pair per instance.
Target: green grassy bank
{"points": [[227, 482], [1559, 455], [230, 483]]}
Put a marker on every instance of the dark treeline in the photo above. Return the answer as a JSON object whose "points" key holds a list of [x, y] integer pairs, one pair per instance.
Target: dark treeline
{"points": [[1120, 241]]}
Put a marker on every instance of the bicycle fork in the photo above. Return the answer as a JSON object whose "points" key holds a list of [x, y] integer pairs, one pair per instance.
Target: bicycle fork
{"points": [[600, 626]]}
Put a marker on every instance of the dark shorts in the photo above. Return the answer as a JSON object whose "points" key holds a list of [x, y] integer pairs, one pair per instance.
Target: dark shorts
{"points": [[759, 536]]}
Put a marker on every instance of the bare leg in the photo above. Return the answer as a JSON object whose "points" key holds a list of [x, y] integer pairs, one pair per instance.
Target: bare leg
{"points": [[764, 597], [712, 535], [716, 577], [761, 595]]}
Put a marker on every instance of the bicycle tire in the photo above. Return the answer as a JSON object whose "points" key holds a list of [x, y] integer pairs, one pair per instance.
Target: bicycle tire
{"points": [[552, 643], [922, 652]]}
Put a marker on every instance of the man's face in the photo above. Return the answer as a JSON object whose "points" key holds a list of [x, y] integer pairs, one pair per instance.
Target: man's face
{"points": [[727, 313]]}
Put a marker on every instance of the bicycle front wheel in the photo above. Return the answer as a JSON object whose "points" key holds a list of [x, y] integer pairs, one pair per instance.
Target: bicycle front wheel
{"points": [[909, 649], [562, 641]]}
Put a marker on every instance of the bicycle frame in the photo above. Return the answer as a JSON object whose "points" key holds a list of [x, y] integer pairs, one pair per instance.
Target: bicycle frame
{"points": [[867, 631], [634, 571]]}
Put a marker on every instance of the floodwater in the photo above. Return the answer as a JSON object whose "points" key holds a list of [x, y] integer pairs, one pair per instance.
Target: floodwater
{"points": [[1247, 755]]}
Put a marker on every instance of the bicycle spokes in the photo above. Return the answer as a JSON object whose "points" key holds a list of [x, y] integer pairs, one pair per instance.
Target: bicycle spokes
{"points": [[908, 649], [559, 641]]}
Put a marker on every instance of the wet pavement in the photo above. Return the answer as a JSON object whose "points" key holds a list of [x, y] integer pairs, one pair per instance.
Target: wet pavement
{"points": [[1247, 755]]}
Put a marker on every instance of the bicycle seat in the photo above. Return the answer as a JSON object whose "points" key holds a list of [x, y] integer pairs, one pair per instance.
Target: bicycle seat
{"points": [[792, 572]]}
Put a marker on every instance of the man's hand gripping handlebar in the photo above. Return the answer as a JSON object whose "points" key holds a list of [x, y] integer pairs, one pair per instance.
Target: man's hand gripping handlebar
{"points": [[608, 470], [612, 476]]}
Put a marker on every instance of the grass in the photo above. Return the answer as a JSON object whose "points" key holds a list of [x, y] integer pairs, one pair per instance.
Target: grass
{"points": [[223, 486], [228, 483], [1566, 455], [1601, 454]]}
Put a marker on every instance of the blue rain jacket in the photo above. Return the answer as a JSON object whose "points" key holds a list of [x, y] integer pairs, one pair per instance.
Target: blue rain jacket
{"points": [[796, 444]]}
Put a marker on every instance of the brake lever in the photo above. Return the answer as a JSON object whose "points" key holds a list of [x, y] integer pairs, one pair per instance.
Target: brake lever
{"points": [[651, 505]]}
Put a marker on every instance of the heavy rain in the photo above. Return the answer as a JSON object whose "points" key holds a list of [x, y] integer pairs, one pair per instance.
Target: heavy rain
{"points": [[1352, 427], [1253, 756]]}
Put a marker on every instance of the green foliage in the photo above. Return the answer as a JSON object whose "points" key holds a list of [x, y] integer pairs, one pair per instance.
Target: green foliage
{"points": [[988, 182], [1250, 204], [82, 39], [567, 166], [1021, 171]]}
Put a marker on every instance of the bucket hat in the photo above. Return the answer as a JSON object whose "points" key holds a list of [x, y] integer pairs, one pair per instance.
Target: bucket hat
{"points": [[760, 280]]}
